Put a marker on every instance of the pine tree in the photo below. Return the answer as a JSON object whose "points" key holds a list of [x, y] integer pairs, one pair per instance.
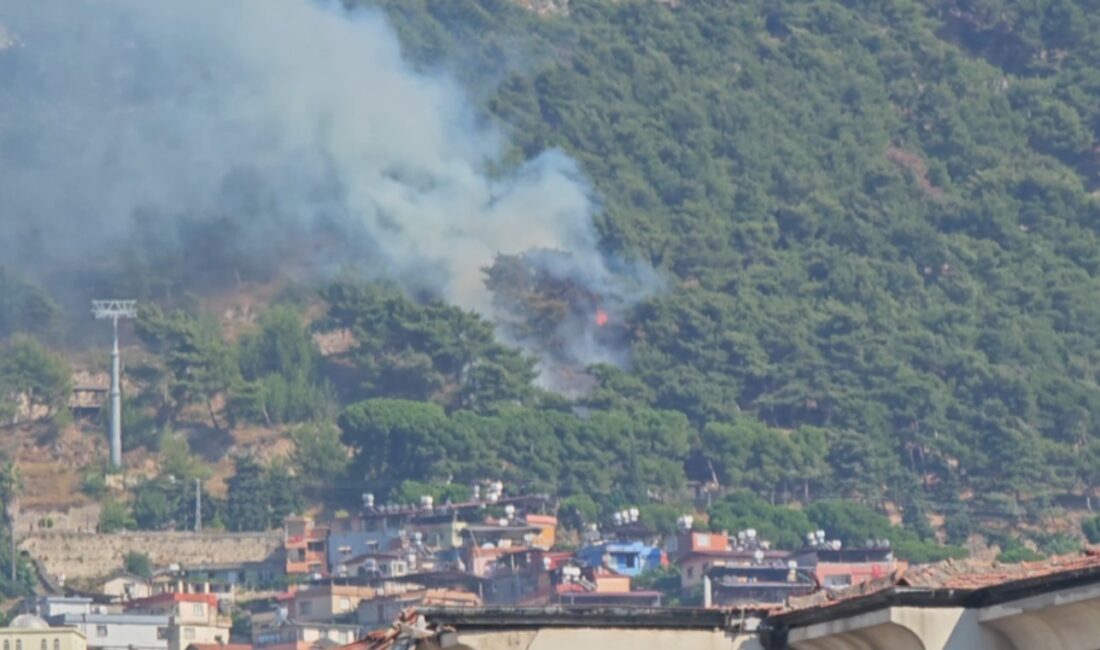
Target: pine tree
{"points": [[248, 506]]}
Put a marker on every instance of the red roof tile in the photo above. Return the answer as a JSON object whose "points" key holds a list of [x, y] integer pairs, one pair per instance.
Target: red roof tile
{"points": [[961, 575]]}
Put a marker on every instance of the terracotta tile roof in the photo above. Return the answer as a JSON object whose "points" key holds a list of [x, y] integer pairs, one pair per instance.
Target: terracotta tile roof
{"points": [[409, 628], [958, 575], [969, 574]]}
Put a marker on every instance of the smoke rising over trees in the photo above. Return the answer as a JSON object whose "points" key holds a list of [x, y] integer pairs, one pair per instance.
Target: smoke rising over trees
{"points": [[178, 146]]}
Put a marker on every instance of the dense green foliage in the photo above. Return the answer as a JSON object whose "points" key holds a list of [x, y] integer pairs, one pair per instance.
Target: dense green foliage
{"points": [[429, 351], [24, 582], [877, 217], [24, 307], [115, 517], [30, 372], [138, 564], [1091, 528], [260, 498]]}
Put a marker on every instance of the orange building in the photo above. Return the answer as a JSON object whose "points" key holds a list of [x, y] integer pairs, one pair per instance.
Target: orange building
{"points": [[838, 568], [306, 546], [548, 529]]}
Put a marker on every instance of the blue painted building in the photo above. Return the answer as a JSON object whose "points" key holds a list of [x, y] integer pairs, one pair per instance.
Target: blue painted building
{"points": [[625, 558]]}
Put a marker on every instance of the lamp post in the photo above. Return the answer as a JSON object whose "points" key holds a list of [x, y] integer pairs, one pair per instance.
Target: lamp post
{"points": [[114, 310]]}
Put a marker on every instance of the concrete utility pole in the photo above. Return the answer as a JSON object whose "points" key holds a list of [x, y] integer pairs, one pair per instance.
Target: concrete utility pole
{"points": [[198, 506], [114, 310], [12, 510]]}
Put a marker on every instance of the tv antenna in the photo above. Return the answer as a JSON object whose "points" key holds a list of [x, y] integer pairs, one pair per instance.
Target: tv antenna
{"points": [[114, 310]]}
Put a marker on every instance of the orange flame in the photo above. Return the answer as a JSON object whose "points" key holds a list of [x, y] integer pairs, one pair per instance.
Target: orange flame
{"points": [[601, 317]]}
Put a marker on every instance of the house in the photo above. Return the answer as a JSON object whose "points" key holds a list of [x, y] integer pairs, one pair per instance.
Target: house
{"points": [[225, 580], [547, 526], [375, 565], [836, 568], [306, 546], [327, 602], [522, 575], [104, 629], [625, 558], [349, 537], [500, 533], [193, 618], [29, 632], [479, 561], [687, 542], [380, 612], [48, 607], [594, 585], [734, 586], [276, 631], [694, 565], [123, 586], [119, 631]]}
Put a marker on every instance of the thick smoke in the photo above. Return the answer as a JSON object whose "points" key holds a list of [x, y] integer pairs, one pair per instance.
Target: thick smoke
{"points": [[261, 132]]}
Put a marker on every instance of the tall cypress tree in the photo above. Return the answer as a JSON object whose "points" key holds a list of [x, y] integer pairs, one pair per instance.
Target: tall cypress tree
{"points": [[248, 506]]}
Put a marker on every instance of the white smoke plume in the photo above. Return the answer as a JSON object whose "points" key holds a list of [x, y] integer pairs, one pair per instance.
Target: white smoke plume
{"points": [[286, 121]]}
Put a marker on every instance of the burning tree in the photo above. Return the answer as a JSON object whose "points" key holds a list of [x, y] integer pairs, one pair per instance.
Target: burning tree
{"points": [[545, 301]]}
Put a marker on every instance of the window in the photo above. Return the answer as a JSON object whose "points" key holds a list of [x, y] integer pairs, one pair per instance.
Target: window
{"points": [[189, 633], [19, 644], [7, 644], [162, 633], [45, 645], [691, 572], [345, 604], [198, 609], [303, 608], [100, 631], [57, 644]]}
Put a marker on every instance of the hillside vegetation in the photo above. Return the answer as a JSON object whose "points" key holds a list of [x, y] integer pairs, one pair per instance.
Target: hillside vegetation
{"points": [[880, 229], [878, 216]]}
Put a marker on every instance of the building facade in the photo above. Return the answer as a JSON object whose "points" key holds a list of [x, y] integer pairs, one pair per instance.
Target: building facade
{"points": [[118, 631], [626, 558], [328, 602], [192, 618], [29, 632]]}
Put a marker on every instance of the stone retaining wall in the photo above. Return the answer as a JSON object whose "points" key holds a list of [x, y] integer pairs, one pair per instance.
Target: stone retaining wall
{"points": [[88, 555]]}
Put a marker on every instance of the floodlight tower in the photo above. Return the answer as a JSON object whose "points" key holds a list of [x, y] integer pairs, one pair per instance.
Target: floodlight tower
{"points": [[114, 310]]}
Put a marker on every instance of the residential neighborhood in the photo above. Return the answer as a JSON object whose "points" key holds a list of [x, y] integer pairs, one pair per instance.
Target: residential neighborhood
{"points": [[332, 581]]}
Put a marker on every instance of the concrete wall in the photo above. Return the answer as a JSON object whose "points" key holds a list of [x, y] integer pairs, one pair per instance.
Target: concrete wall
{"points": [[83, 518], [87, 555]]}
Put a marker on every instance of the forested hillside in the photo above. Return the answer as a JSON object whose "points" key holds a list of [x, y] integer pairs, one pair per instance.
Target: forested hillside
{"points": [[878, 217], [878, 228]]}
